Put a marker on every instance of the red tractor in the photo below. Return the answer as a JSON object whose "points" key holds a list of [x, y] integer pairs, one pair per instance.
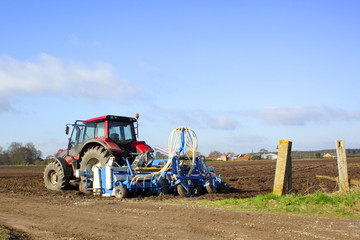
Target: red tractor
{"points": [[91, 145]]}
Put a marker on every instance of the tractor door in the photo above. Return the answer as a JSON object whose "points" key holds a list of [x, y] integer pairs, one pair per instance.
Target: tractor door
{"points": [[76, 138], [90, 131]]}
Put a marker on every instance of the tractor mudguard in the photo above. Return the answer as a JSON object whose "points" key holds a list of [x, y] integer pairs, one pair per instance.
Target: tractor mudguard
{"points": [[141, 146], [64, 166], [109, 146]]}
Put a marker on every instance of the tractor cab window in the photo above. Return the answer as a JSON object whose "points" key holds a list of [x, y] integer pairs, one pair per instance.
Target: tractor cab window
{"points": [[94, 130], [121, 132], [100, 130], [89, 131]]}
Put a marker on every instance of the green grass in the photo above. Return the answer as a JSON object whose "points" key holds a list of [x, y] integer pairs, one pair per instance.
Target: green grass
{"points": [[10, 234], [5, 234], [318, 204]]}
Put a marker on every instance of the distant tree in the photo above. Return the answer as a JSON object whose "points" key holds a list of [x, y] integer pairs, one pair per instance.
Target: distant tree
{"points": [[263, 150], [22, 155], [214, 154], [4, 157], [255, 157], [60, 150], [16, 153], [32, 154], [160, 155], [40, 162], [318, 155]]}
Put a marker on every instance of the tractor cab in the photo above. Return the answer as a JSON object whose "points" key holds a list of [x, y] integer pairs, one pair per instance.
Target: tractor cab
{"points": [[116, 134]]}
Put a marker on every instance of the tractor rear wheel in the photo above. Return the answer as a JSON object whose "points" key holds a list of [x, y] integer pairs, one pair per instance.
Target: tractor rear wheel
{"points": [[54, 177], [182, 191], [121, 192], [95, 157]]}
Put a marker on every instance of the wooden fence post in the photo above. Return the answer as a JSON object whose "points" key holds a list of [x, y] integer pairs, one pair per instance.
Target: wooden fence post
{"points": [[283, 173], [342, 166]]}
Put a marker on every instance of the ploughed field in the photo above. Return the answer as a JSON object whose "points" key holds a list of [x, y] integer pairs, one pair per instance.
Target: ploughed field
{"points": [[251, 178], [246, 178], [27, 206]]}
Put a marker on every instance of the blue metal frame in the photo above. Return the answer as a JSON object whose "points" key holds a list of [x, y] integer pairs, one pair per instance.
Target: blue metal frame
{"points": [[200, 176]]}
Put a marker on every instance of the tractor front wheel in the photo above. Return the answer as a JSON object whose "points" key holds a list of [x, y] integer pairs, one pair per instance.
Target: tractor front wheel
{"points": [[54, 177]]}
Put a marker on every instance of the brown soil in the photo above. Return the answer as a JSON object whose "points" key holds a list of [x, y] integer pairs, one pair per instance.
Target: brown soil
{"points": [[28, 207]]}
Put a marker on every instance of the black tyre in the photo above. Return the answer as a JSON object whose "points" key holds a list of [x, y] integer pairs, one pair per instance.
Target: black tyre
{"points": [[199, 190], [54, 177], [223, 188], [121, 192], [164, 190], [95, 156], [182, 191], [210, 188], [164, 186]]}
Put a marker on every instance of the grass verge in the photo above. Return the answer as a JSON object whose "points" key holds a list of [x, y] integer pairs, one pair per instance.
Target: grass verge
{"points": [[7, 233], [338, 205]]}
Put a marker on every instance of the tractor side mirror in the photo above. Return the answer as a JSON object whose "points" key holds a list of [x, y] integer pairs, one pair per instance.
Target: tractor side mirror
{"points": [[67, 129]]}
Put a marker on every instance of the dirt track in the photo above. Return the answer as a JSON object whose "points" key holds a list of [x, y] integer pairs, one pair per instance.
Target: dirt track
{"points": [[26, 205]]}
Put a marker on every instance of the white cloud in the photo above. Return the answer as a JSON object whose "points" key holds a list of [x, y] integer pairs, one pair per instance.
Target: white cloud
{"points": [[50, 75], [197, 118], [301, 115], [216, 121]]}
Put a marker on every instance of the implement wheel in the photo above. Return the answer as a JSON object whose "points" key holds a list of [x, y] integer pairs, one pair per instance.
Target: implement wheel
{"points": [[182, 191], [121, 192], [83, 190], [54, 177], [210, 188]]}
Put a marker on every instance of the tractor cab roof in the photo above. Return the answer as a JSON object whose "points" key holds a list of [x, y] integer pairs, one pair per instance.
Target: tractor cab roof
{"points": [[113, 118]]}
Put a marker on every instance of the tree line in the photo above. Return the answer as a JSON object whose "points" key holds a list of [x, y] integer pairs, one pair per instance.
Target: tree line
{"points": [[20, 154]]}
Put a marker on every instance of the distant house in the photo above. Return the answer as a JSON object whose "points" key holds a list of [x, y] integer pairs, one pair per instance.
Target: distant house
{"points": [[329, 155], [243, 157], [270, 156], [231, 158], [223, 157]]}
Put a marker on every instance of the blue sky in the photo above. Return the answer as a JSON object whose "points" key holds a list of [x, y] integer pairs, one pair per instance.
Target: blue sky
{"points": [[241, 74]]}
